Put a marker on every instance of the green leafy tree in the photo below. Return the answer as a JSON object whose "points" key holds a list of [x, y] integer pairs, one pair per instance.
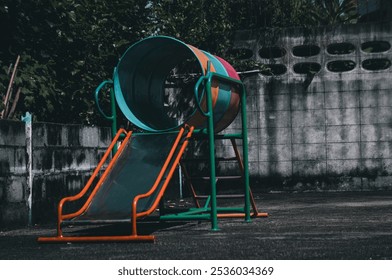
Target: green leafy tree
{"points": [[204, 24], [327, 12], [67, 48], [250, 14]]}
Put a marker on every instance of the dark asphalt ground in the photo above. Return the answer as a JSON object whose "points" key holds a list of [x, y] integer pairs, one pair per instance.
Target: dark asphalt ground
{"points": [[301, 226]]}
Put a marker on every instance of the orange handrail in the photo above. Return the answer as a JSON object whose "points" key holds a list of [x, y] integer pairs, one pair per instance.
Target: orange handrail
{"points": [[62, 217], [103, 177], [171, 171], [136, 215]]}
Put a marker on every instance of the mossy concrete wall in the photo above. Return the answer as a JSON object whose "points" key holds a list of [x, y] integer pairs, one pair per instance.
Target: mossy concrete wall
{"points": [[320, 116], [63, 158], [13, 173]]}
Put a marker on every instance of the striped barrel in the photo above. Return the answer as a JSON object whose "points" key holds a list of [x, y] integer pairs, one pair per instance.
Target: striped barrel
{"points": [[154, 82]]}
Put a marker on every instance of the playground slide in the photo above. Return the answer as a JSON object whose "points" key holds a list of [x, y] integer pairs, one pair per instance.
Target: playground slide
{"points": [[134, 172], [135, 180]]}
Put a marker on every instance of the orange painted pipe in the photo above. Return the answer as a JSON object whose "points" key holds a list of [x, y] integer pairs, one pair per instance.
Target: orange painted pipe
{"points": [[170, 174], [156, 183], [242, 215], [62, 217], [104, 175], [136, 215]]}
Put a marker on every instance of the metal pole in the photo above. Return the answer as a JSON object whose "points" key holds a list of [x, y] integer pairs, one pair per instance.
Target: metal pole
{"points": [[211, 140], [180, 180], [113, 118], [29, 151], [245, 154]]}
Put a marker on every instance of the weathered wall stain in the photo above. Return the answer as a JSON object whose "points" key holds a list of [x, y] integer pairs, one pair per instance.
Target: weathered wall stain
{"points": [[54, 135], [63, 159], [4, 167], [338, 122]]}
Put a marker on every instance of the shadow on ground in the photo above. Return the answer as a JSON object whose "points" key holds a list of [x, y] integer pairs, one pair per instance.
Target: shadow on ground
{"points": [[300, 226]]}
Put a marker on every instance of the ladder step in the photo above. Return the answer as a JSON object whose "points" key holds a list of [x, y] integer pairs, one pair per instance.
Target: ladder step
{"points": [[207, 159], [221, 196], [238, 136], [217, 177]]}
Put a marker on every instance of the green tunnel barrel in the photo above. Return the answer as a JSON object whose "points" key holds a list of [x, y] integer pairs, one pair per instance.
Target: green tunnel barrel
{"points": [[154, 85]]}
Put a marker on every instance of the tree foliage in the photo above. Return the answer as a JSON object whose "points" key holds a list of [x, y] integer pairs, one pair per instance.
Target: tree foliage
{"points": [[68, 47], [334, 12], [250, 14], [203, 23]]}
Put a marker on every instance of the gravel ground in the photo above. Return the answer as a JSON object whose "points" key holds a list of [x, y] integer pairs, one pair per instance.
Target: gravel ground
{"points": [[300, 226]]}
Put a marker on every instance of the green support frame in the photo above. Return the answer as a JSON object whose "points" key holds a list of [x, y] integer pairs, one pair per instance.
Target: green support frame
{"points": [[211, 137], [211, 213], [113, 116]]}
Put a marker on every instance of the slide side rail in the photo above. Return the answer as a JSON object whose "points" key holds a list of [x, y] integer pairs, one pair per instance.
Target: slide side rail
{"points": [[174, 164], [61, 216]]}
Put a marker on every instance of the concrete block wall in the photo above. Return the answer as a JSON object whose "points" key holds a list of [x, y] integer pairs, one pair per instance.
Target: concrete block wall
{"points": [[324, 129], [63, 158], [13, 174]]}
